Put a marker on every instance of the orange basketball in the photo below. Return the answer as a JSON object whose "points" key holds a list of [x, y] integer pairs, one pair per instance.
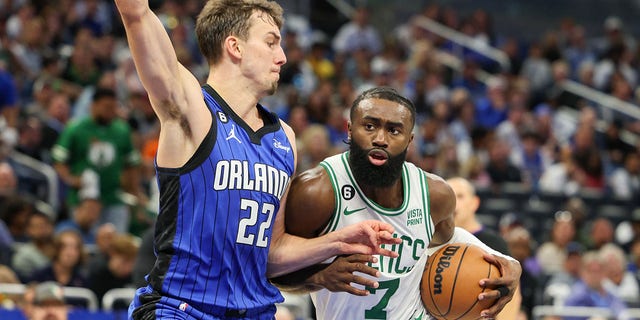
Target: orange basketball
{"points": [[450, 282]]}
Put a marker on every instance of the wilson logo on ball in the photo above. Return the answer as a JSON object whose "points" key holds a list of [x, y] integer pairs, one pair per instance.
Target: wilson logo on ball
{"points": [[443, 263]]}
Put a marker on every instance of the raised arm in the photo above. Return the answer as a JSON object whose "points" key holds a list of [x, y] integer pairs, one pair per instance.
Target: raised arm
{"points": [[173, 91]]}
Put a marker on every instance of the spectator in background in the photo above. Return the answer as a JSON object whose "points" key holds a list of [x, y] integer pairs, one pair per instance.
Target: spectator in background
{"points": [[617, 60], [618, 279], [492, 108], [562, 177], [118, 269], [634, 264], [589, 290], [67, 264], [552, 254], [15, 213], [537, 70], [467, 203], [624, 182], [577, 52], [500, 167], [9, 108], [101, 143], [87, 212], [357, 34], [521, 246], [57, 113], [45, 301], [100, 252], [588, 159], [30, 138], [8, 276], [314, 146], [601, 232], [558, 287], [38, 252], [534, 159], [616, 147]]}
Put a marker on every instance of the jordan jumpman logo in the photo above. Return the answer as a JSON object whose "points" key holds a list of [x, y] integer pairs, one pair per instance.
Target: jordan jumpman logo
{"points": [[232, 134]]}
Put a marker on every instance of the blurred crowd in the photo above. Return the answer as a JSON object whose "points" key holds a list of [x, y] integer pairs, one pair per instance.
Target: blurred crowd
{"points": [[78, 135]]}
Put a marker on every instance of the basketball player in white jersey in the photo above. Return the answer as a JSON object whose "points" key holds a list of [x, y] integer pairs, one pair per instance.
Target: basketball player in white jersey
{"points": [[373, 181]]}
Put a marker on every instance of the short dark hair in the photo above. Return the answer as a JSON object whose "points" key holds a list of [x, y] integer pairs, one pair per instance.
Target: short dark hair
{"points": [[386, 93], [103, 93]]}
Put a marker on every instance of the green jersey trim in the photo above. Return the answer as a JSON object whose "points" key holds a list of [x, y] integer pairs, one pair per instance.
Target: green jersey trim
{"points": [[427, 203], [335, 217]]}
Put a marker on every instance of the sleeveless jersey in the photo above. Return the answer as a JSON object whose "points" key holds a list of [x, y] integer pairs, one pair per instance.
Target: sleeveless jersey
{"points": [[214, 229], [398, 296]]}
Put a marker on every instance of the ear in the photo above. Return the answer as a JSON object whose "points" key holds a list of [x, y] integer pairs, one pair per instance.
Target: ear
{"points": [[349, 130], [233, 46]]}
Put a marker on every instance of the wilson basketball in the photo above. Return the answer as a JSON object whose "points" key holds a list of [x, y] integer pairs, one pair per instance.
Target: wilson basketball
{"points": [[450, 282]]}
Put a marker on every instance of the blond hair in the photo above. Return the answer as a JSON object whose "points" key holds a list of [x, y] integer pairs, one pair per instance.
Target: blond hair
{"points": [[222, 18]]}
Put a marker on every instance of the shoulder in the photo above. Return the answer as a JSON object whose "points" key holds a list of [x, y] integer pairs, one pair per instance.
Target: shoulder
{"points": [[309, 181], [442, 199], [291, 135], [77, 124], [310, 203]]}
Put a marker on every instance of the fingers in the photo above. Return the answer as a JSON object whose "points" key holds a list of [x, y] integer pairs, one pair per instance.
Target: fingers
{"points": [[381, 226], [388, 238], [386, 252], [347, 272]]}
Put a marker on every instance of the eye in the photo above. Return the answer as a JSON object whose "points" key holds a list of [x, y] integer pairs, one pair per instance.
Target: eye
{"points": [[394, 131], [369, 126]]}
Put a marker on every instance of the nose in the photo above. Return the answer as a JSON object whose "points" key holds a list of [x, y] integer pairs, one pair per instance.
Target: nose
{"points": [[281, 57], [380, 139]]}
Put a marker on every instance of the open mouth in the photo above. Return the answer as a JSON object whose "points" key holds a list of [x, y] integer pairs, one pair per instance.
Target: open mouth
{"points": [[378, 157]]}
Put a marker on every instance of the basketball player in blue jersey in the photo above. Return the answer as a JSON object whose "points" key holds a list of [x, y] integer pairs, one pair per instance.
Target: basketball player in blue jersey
{"points": [[223, 165], [373, 181]]}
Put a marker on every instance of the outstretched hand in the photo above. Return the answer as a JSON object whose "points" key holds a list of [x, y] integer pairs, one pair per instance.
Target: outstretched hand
{"points": [[504, 287], [366, 238]]}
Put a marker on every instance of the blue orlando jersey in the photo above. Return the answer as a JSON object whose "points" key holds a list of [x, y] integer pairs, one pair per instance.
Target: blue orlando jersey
{"points": [[217, 212]]}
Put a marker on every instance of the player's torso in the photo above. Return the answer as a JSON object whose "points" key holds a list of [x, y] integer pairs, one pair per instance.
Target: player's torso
{"points": [[217, 213], [398, 296]]}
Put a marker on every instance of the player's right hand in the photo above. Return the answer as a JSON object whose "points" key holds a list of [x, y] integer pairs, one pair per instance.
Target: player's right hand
{"points": [[340, 275]]}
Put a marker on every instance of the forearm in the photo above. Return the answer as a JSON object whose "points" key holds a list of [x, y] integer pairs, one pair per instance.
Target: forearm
{"points": [[66, 176], [151, 49], [301, 281], [290, 253], [464, 236]]}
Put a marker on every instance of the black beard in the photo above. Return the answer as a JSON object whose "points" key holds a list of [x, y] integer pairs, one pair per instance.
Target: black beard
{"points": [[367, 174]]}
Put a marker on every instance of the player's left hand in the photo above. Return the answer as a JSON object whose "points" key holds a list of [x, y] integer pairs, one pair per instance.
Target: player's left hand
{"points": [[346, 271], [503, 287], [366, 238]]}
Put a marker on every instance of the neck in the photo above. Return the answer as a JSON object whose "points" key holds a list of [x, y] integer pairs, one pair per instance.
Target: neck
{"points": [[388, 197], [236, 91]]}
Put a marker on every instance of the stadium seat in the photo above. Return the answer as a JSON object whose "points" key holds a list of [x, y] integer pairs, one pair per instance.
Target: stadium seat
{"points": [[117, 297]]}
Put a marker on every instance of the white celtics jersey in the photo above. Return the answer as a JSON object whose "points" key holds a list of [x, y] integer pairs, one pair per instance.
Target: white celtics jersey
{"points": [[398, 296]]}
